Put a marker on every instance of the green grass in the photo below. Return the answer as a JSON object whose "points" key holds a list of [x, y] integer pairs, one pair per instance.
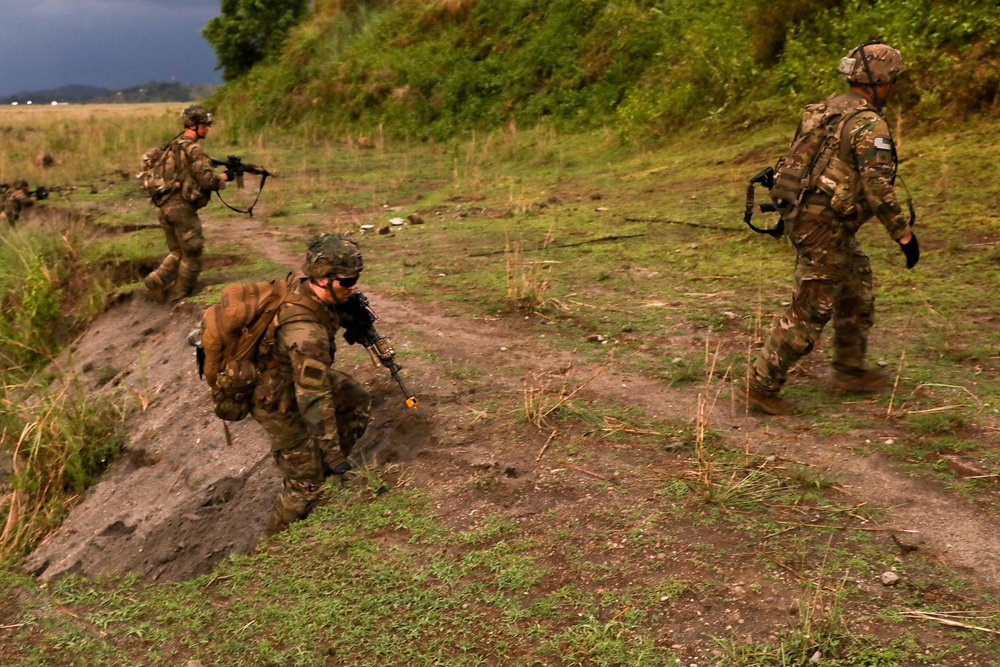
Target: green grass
{"points": [[378, 577]]}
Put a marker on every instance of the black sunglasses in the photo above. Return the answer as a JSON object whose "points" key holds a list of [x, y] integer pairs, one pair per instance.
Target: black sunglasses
{"points": [[347, 282]]}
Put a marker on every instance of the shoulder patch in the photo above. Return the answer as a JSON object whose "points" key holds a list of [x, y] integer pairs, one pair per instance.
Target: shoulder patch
{"points": [[312, 374]]}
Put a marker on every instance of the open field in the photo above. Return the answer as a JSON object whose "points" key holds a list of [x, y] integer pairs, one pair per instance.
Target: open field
{"points": [[578, 486]]}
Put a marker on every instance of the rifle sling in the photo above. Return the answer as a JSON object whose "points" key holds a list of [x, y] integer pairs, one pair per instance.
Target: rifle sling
{"points": [[249, 211]]}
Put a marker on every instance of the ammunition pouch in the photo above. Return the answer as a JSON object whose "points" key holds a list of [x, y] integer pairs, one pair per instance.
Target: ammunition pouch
{"points": [[233, 395]]}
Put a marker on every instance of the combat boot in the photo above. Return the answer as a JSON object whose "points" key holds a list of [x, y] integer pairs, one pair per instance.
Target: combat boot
{"points": [[274, 525], [861, 381], [335, 463], [156, 290], [772, 404]]}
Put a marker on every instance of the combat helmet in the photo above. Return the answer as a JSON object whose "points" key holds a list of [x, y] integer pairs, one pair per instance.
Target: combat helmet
{"points": [[332, 255], [871, 64], [195, 115]]}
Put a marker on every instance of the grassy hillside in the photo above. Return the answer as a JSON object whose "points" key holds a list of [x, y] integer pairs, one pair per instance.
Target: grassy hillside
{"points": [[433, 68]]}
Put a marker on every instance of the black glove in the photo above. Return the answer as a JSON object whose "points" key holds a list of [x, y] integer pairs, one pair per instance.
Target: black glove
{"points": [[352, 335], [911, 250], [230, 175]]}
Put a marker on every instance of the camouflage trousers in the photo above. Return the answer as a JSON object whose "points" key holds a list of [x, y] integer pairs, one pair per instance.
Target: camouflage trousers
{"points": [[12, 209], [180, 269], [844, 294], [304, 460]]}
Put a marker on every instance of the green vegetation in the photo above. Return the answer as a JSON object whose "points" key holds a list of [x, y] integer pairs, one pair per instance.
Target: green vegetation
{"points": [[642, 267], [502, 125], [643, 68], [248, 31], [57, 438]]}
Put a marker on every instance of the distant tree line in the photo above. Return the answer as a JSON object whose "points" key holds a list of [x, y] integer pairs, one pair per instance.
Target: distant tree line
{"points": [[154, 91]]}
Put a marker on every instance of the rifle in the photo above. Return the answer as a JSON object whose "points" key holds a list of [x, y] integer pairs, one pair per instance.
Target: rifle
{"points": [[39, 193], [764, 177], [236, 165], [359, 327]]}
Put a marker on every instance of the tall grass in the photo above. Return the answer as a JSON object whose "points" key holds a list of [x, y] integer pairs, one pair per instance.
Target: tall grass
{"points": [[59, 441], [47, 288], [54, 440]]}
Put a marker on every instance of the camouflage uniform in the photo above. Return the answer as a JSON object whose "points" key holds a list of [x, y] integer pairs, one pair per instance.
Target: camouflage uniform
{"points": [[833, 276], [313, 414], [15, 202], [178, 216]]}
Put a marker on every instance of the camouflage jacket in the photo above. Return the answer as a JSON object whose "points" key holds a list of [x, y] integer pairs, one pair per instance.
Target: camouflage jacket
{"points": [[295, 356], [197, 178], [15, 202], [826, 223]]}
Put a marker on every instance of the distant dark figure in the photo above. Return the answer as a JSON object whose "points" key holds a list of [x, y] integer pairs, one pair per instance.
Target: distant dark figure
{"points": [[16, 200]]}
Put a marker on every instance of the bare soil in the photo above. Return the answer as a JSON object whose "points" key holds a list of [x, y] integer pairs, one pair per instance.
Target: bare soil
{"points": [[181, 500]]}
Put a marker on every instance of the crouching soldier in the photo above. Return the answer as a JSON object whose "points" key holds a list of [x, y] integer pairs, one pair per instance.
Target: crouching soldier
{"points": [[16, 201], [313, 413]]}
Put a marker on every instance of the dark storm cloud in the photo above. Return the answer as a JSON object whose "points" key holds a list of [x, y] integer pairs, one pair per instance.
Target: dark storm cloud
{"points": [[110, 43]]}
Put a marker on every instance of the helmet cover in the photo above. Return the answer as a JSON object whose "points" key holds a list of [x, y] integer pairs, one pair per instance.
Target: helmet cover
{"points": [[196, 115], [871, 64], [332, 255]]}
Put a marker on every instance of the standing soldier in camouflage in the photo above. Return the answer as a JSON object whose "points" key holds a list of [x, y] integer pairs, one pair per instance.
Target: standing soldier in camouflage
{"points": [[177, 211], [16, 201], [833, 276], [313, 414]]}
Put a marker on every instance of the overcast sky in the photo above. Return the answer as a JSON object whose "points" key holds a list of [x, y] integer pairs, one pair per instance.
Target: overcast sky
{"points": [[109, 43]]}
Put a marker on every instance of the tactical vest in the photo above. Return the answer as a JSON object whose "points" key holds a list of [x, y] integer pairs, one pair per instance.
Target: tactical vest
{"points": [[275, 384], [819, 162]]}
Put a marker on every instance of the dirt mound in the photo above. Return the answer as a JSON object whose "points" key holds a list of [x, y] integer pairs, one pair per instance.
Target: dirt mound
{"points": [[180, 499]]}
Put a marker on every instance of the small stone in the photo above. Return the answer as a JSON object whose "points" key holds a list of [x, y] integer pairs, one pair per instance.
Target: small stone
{"points": [[415, 218], [890, 578]]}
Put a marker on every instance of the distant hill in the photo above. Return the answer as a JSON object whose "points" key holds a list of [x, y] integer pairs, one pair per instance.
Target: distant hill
{"points": [[154, 91]]}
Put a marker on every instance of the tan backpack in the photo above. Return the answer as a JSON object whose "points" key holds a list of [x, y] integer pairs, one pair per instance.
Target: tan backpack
{"points": [[160, 174], [230, 333]]}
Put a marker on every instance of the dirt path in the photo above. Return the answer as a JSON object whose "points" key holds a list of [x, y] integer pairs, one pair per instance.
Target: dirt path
{"points": [[181, 500]]}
